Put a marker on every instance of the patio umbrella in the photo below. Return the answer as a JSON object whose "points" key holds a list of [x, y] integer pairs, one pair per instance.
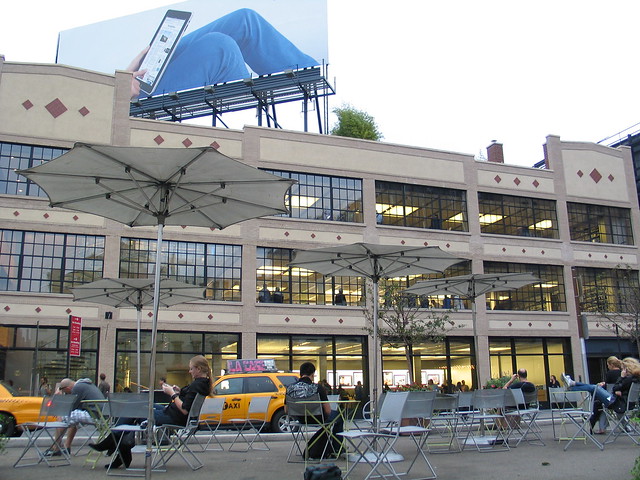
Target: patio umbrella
{"points": [[374, 262], [137, 293], [141, 186], [471, 287]]}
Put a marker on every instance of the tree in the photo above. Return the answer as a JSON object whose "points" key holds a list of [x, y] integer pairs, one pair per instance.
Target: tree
{"points": [[355, 124], [618, 308], [403, 323]]}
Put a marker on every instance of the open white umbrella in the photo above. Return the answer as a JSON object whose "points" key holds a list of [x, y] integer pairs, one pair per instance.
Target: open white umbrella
{"points": [[374, 262], [471, 287], [141, 186], [137, 293]]}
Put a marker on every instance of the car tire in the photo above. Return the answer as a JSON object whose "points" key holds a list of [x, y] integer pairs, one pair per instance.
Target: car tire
{"points": [[281, 422], [8, 425]]}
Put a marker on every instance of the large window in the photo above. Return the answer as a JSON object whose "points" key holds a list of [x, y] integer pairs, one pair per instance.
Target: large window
{"points": [[338, 359], [540, 357], [421, 206], [174, 350], [277, 283], [548, 295], [28, 353], [608, 290], [48, 262], [215, 266], [448, 364], [430, 301], [522, 216], [14, 156], [322, 197], [595, 223]]}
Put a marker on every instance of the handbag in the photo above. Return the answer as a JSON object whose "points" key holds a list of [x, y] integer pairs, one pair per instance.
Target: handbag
{"points": [[327, 471], [619, 405]]}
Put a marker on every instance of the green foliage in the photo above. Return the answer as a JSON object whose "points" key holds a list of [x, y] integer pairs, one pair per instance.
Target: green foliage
{"points": [[497, 382], [355, 124], [3, 438], [635, 471], [402, 323]]}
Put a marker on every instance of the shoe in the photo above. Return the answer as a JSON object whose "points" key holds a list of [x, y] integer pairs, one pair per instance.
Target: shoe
{"points": [[56, 452], [599, 432], [569, 382]]}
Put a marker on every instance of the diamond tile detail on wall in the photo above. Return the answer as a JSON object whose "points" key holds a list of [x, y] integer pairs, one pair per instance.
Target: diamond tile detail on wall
{"points": [[84, 111], [27, 104], [56, 108], [595, 175]]}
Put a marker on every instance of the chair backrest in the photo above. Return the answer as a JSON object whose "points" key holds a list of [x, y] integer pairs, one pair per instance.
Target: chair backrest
{"points": [[570, 400], [258, 406], [632, 396], [609, 387], [465, 400], [489, 399], [60, 405], [419, 404], [128, 405], [212, 409], [445, 402], [302, 409], [392, 408], [333, 399], [194, 412]]}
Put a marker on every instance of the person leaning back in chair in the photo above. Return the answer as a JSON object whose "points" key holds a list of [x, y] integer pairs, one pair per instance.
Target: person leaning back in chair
{"points": [[522, 382], [305, 388]]}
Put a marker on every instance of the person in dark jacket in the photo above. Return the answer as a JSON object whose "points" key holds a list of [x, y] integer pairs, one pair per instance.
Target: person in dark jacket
{"points": [[176, 413]]}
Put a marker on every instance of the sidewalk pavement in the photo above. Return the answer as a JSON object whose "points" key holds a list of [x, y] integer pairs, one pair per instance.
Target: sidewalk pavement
{"points": [[581, 461]]}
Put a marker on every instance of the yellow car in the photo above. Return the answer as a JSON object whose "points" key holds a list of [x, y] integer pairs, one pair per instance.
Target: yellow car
{"points": [[239, 388], [16, 409]]}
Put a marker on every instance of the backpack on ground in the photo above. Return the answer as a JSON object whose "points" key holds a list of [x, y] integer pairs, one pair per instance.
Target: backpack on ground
{"points": [[328, 471]]}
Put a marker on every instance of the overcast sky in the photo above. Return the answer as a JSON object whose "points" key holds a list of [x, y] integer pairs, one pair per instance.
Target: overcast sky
{"points": [[449, 75]]}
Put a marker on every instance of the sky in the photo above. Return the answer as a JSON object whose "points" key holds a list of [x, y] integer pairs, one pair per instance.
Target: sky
{"points": [[450, 75]]}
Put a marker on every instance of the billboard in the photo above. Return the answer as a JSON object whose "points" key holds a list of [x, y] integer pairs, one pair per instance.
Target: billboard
{"points": [[196, 43]]}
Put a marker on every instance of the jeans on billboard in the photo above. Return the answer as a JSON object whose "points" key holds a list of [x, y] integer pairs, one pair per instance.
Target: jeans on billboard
{"points": [[220, 52]]}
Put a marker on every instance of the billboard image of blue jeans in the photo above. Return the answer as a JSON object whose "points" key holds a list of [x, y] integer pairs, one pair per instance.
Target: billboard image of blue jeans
{"points": [[232, 47]]}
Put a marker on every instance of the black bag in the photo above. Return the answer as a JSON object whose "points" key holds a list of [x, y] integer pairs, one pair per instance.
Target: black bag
{"points": [[327, 471], [619, 406], [321, 445]]}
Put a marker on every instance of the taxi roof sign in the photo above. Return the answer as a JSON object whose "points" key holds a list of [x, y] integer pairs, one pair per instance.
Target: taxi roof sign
{"points": [[244, 365]]}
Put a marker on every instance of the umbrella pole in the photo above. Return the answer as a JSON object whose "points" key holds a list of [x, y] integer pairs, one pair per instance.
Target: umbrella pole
{"points": [[152, 361], [374, 402], [139, 318], [475, 340]]}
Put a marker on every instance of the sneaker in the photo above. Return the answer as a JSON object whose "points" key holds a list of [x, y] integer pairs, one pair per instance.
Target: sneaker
{"points": [[568, 380], [56, 452]]}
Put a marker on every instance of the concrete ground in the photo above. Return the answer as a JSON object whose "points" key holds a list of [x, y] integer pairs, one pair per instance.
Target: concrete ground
{"points": [[581, 461]]}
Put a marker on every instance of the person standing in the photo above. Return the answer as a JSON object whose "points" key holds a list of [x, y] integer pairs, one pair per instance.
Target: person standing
{"points": [[340, 298], [103, 385], [45, 389]]}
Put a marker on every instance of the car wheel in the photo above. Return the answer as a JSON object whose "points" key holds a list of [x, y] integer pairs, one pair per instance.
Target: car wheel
{"points": [[282, 423], [7, 425]]}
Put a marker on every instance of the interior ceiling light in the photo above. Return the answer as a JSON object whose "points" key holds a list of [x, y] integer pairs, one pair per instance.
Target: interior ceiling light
{"points": [[299, 201], [488, 218], [394, 210]]}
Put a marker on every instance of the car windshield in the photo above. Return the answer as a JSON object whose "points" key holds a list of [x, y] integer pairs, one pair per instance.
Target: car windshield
{"points": [[11, 390]]}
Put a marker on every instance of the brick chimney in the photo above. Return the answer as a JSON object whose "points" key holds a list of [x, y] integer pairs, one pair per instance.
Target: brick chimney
{"points": [[495, 153]]}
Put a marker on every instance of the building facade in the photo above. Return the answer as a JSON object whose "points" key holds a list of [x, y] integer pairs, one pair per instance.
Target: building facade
{"points": [[573, 224]]}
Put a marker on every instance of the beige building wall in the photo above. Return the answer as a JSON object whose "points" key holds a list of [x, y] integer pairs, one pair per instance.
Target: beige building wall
{"points": [[57, 106]]}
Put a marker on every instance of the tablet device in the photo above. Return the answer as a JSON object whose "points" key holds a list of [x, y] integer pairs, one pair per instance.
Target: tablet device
{"points": [[161, 49]]}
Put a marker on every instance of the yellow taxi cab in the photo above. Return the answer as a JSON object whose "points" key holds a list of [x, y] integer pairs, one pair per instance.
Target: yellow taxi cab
{"points": [[16, 409], [239, 388]]}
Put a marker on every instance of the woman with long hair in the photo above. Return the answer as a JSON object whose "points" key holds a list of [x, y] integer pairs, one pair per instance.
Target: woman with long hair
{"points": [[176, 413]]}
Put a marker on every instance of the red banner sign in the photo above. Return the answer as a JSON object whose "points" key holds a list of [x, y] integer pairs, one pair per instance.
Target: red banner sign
{"points": [[75, 335]]}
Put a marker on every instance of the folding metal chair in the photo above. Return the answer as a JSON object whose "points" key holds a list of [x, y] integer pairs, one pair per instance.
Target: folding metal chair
{"points": [[444, 426], [51, 418], [578, 414], [522, 417], [101, 430], [419, 405], [374, 448], [178, 436], [210, 421], [256, 420], [620, 422], [307, 413], [129, 407], [488, 429]]}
